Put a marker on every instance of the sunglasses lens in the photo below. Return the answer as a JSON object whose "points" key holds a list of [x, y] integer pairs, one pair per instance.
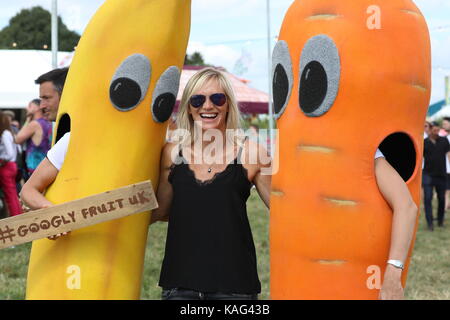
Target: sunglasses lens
{"points": [[218, 99], [197, 100]]}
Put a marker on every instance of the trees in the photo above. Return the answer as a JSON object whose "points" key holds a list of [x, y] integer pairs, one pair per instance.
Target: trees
{"points": [[195, 59], [31, 29]]}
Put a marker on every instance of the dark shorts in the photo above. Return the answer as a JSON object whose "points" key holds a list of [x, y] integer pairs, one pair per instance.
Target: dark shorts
{"points": [[186, 294], [448, 181]]}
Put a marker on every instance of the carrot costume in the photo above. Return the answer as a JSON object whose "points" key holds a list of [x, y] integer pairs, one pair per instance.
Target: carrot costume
{"points": [[348, 77]]}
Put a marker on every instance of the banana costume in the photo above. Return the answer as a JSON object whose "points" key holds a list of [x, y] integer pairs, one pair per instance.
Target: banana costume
{"points": [[119, 92], [349, 77]]}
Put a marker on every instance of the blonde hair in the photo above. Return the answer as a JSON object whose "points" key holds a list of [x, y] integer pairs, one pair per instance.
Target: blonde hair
{"points": [[184, 119]]}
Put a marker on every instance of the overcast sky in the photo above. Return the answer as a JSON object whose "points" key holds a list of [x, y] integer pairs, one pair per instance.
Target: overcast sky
{"points": [[233, 33]]}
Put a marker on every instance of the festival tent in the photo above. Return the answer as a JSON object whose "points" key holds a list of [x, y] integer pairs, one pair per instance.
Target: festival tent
{"points": [[250, 100], [438, 111], [19, 69]]}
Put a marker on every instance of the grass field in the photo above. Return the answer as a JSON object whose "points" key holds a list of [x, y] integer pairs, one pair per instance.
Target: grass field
{"points": [[429, 275]]}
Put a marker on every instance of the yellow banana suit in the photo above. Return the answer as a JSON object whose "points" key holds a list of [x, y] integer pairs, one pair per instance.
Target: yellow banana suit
{"points": [[119, 92]]}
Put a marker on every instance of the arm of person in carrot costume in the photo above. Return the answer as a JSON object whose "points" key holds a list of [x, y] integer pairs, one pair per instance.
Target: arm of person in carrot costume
{"points": [[33, 189], [397, 195]]}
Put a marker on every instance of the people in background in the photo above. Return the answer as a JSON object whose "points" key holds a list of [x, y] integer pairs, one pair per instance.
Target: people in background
{"points": [[51, 85], [446, 133], [36, 133], [8, 167], [12, 120], [427, 129], [435, 173]]}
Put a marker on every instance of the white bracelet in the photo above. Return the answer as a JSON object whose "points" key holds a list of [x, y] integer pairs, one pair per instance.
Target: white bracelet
{"points": [[396, 263]]}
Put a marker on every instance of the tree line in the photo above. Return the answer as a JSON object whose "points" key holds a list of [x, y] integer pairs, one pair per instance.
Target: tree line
{"points": [[30, 29]]}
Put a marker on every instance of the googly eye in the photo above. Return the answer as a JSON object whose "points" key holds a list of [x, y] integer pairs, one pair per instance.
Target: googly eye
{"points": [[130, 82], [165, 94], [320, 71], [282, 77]]}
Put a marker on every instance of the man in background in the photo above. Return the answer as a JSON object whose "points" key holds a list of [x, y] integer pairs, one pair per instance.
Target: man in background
{"points": [[435, 173], [445, 132], [51, 85]]}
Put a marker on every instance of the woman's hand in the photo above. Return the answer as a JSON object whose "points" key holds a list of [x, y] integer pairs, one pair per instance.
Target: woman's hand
{"points": [[392, 285]]}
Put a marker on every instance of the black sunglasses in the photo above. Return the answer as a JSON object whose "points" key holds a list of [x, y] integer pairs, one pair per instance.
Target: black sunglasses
{"points": [[219, 99]]}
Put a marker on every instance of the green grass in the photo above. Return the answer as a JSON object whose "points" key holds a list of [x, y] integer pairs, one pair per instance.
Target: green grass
{"points": [[429, 272], [13, 271], [428, 278]]}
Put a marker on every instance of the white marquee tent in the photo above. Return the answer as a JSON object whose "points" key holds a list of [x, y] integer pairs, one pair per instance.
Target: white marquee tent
{"points": [[19, 69]]}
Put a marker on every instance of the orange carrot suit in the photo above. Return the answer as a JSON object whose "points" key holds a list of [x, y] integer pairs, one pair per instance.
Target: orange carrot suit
{"points": [[347, 76]]}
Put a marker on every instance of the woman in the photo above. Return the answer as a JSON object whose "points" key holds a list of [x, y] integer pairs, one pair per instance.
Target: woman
{"points": [[203, 188], [8, 167]]}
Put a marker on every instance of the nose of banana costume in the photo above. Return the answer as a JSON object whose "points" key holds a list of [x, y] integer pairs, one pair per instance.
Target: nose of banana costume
{"points": [[119, 92], [348, 77]]}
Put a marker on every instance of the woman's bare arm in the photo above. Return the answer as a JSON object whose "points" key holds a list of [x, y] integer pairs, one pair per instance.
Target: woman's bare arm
{"points": [[27, 131], [164, 193]]}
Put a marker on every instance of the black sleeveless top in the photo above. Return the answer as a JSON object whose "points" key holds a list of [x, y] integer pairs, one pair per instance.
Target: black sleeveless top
{"points": [[209, 246]]}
